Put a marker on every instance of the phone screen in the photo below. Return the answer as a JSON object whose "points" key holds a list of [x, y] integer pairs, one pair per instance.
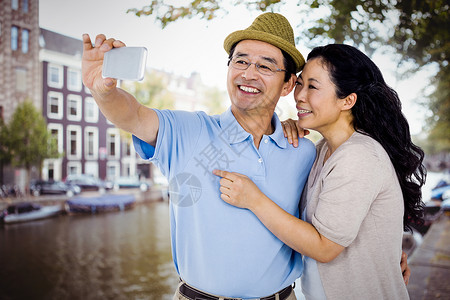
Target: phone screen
{"points": [[125, 63]]}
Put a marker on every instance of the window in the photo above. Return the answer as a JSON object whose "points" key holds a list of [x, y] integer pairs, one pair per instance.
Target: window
{"points": [[56, 130], [25, 37], [51, 170], [55, 105], [91, 142], [14, 38], [127, 147], [74, 108], [25, 6], [21, 79], [74, 80], [73, 168], [73, 142], [113, 142], [55, 76], [91, 168], [90, 110], [15, 4], [112, 170]]}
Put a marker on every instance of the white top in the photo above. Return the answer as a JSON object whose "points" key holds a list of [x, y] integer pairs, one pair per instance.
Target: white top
{"points": [[312, 287], [355, 200]]}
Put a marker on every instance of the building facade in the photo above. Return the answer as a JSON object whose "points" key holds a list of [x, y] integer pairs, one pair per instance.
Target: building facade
{"points": [[19, 51], [20, 70], [45, 67], [91, 144]]}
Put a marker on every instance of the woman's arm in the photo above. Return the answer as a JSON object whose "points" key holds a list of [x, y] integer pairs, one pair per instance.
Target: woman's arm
{"points": [[240, 191]]}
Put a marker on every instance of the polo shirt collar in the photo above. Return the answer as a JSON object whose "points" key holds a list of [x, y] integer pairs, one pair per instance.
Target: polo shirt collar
{"points": [[278, 135], [234, 133]]}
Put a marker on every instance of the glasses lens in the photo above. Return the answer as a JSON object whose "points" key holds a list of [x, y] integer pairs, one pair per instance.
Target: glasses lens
{"points": [[266, 68], [242, 63]]}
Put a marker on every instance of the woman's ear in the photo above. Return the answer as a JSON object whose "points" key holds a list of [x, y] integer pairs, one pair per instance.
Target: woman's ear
{"points": [[289, 86], [349, 101]]}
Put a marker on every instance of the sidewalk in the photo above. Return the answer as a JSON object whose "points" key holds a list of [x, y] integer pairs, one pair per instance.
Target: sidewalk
{"points": [[430, 263]]}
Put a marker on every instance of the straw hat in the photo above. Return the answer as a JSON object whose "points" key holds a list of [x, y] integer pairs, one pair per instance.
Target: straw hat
{"points": [[271, 28]]}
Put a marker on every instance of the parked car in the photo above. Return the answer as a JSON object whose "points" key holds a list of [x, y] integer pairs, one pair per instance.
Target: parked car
{"points": [[51, 187], [130, 183], [438, 192], [88, 182]]}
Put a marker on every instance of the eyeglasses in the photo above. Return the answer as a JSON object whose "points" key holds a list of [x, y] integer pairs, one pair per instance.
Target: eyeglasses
{"points": [[264, 68]]}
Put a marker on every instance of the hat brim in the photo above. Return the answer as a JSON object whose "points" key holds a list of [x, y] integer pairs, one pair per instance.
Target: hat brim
{"points": [[274, 40]]}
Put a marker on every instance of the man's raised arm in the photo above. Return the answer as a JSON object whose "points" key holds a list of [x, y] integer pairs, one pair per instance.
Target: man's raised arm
{"points": [[118, 106]]}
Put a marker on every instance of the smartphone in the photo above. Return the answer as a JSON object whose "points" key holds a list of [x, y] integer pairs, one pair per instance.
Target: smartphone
{"points": [[125, 63]]}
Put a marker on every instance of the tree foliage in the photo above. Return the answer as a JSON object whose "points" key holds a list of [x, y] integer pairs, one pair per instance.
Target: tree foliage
{"points": [[206, 9], [26, 142], [5, 155], [152, 91], [439, 122], [417, 30]]}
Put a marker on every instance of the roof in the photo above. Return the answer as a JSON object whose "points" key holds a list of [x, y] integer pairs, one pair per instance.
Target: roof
{"points": [[56, 42]]}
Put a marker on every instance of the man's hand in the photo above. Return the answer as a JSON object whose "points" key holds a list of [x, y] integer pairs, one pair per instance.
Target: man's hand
{"points": [[92, 63], [406, 271]]}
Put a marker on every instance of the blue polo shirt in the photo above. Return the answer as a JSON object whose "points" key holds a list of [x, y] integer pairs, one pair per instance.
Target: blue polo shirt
{"points": [[218, 248]]}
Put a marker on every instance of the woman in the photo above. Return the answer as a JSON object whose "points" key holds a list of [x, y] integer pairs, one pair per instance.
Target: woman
{"points": [[363, 189]]}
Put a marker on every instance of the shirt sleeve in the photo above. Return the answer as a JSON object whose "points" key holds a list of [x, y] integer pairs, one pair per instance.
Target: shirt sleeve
{"points": [[352, 180], [178, 134]]}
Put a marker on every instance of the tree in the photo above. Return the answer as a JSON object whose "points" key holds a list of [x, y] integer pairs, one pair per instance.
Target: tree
{"points": [[205, 9], [26, 142], [151, 92], [214, 100], [5, 155], [439, 123], [416, 30]]}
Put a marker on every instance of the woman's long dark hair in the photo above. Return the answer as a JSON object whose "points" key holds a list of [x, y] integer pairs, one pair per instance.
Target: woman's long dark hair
{"points": [[377, 113]]}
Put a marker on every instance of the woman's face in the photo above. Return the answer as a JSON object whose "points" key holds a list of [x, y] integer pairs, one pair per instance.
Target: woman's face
{"points": [[318, 106]]}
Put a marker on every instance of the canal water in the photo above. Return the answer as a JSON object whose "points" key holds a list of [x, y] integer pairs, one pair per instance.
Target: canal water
{"points": [[116, 255]]}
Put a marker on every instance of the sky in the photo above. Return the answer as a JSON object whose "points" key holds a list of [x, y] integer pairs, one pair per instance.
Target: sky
{"points": [[195, 45]]}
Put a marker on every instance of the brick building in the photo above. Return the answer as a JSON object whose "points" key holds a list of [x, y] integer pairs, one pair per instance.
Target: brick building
{"points": [[45, 67], [91, 144], [20, 70]]}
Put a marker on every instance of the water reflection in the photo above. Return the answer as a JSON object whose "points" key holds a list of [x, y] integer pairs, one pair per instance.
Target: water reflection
{"points": [[106, 256]]}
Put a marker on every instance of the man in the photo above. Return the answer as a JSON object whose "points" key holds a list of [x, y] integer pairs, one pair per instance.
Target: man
{"points": [[218, 249]]}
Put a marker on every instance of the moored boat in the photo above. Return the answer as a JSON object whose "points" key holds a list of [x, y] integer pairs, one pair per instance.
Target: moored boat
{"points": [[100, 204], [27, 211]]}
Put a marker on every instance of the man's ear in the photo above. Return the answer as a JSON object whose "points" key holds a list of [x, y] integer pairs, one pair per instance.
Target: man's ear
{"points": [[349, 101], [289, 86]]}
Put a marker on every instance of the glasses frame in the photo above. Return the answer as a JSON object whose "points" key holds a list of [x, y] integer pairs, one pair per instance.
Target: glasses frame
{"points": [[257, 65]]}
